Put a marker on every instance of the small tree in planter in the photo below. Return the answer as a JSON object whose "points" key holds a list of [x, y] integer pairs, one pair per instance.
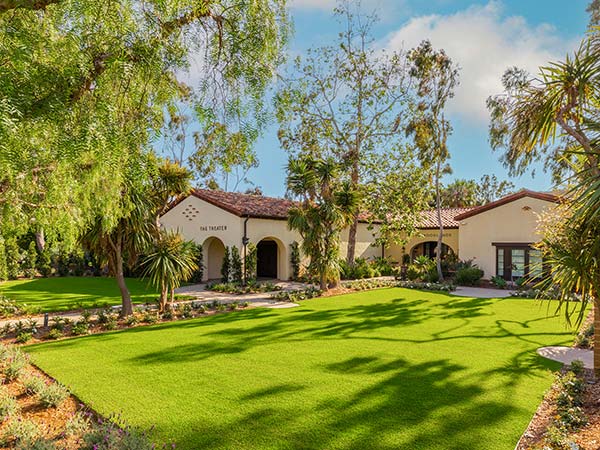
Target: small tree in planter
{"points": [[236, 265], [226, 266], [199, 272]]}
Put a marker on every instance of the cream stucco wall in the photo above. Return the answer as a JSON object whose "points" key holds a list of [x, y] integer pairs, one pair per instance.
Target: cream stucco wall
{"points": [[364, 241], [515, 222]]}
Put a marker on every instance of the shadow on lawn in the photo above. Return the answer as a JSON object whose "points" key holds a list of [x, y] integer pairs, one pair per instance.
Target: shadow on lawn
{"points": [[415, 406]]}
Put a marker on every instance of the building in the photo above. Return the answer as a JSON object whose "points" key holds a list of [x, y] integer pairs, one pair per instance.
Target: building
{"points": [[498, 236]]}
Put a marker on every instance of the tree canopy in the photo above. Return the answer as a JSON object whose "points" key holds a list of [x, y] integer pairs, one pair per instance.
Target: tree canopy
{"points": [[85, 86]]}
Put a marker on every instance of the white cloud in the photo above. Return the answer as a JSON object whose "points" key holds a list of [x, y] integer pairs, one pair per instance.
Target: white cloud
{"points": [[484, 43]]}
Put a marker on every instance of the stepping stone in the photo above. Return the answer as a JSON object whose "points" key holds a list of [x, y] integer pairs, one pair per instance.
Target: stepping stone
{"points": [[567, 355]]}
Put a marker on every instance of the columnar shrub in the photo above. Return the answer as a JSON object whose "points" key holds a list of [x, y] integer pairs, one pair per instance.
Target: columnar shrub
{"points": [[236, 265], [3, 268], [199, 273], [250, 262], [295, 259], [44, 263], [226, 266], [13, 258], [30, 261]]}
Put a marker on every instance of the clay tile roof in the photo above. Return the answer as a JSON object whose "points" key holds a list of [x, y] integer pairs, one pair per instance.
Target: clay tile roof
{"points": [[429, 218], [256, 206], [547, 196]]}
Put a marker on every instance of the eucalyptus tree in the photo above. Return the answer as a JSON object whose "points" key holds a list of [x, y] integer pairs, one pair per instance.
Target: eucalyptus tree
{"points": [[555, 117], [464, 193], [436, 78], [326, 206], [84, 87], [347, 101]]}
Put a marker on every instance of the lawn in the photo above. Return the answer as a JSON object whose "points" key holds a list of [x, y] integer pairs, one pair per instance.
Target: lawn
{"points": [[386, 369], [68, 293]]}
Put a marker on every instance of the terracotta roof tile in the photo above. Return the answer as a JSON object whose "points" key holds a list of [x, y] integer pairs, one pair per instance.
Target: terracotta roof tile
{"points": [[243, 205], [429, 217], [554, 197]]}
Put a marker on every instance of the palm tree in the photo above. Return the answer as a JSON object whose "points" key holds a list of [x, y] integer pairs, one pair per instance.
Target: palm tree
{"points": [[170, 261], [326, 208], [561, 104], [120, 244]]}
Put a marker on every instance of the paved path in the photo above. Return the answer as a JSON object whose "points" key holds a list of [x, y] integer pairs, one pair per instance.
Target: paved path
{"points": [[567, 355], [478, 292], [200, 294]]}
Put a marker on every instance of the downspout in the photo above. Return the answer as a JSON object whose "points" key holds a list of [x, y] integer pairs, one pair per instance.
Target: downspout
{"points": [[245, 241]]}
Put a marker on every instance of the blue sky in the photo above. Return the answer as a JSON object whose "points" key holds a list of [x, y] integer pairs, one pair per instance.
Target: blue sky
{"points": [[483, 37]]}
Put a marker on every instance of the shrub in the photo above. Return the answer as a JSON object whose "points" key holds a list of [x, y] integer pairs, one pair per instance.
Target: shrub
{"points": [[80, 327], [3, 267], [106, 435], [33, 384], [236, 265], [44, 264], [53, 395], [54, 334], [199, 260], [23, 337], [499, 282], [167, 315], [584, 338], [384, 266], [149, 317], [186, 311], [221, 307], [13, 258], [469, 276], [297, 295], [22, 433], [233, 306], [8, 307], [58, 323], [78, 424], [442, 287], [6, 329], [86, 315], [14, 365], [8, 404]]}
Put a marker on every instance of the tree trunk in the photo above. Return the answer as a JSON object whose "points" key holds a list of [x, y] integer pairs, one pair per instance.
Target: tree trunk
{"points": [[354, 226], [438, 255], [40, 240], [323, 280], [162, 301], [126, 305], [596, 339]]}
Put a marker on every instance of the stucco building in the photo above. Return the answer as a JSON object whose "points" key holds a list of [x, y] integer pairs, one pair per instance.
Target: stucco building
{"points": [[497, 236]]}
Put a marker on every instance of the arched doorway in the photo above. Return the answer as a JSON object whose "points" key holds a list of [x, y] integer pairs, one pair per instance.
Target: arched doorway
{"points": [[214, 253], [267, 259], [429, 249]]}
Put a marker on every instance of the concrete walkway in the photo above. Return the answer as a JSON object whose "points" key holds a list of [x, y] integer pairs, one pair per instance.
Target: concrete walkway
{"points": [[478, 292], [567, 355], [200, 294]]}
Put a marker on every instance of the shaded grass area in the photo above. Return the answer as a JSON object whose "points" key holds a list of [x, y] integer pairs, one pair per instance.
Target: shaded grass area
{"points": [[68, 293], [385, 369]]}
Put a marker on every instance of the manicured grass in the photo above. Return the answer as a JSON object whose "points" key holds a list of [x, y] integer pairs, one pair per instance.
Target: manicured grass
{"points": [[386, 369], [68, 293]]}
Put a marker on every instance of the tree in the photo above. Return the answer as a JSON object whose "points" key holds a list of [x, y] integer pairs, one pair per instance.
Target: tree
{"points": [[170, 261], [13, 258], [250, 262], [465, 193], [295, 260], [346, 101], [554, 117], [326, 208], [3, 268], [85, 85], [436, 77], [490, 189], [198, 274]]}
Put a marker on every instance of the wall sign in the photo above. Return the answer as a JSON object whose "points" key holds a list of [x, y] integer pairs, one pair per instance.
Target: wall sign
{"points": [[213, 227]]}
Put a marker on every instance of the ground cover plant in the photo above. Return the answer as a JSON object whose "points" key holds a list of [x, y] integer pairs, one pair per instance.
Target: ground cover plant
{"points": [[68, 293], [390, 368]]}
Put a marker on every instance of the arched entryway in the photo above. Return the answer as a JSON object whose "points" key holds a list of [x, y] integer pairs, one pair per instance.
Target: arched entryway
{"points": [[267, 259], [429, 249], [214, 253]]}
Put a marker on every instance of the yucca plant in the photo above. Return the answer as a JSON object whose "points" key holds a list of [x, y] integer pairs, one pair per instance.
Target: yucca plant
{"points": [[170, 261]]}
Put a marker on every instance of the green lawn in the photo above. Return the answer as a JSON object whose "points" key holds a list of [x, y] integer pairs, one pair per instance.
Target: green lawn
{"points": [[67, 293], [386, 369]]}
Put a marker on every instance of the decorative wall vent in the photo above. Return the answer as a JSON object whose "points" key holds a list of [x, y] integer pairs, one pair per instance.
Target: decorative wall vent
{"points": [[526, 208], [190, 212]]}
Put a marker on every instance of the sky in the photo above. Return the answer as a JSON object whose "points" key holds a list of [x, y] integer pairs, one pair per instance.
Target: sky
{"points": [[482, 37]]}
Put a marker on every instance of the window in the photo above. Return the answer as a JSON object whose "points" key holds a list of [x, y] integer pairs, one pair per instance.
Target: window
{"points": [[514, 261]]}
